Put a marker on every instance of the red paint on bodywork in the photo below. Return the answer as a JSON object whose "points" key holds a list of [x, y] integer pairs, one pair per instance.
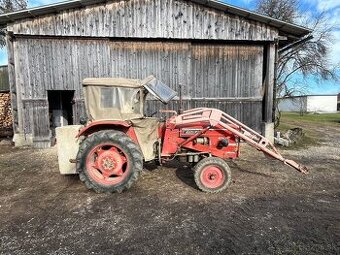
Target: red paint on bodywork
{"points": [[212, 177], [174, 139], [118, 125], [100, 125], [223, 133], [182, 135], [202, 131]]}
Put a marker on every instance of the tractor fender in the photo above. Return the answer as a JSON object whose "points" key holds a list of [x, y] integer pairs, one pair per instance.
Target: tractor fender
{"points": [[96, 126]]}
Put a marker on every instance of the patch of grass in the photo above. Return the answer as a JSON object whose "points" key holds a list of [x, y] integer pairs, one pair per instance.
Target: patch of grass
{"points": [[306, 141], [285, 126], [327, 118], [311, 137]]}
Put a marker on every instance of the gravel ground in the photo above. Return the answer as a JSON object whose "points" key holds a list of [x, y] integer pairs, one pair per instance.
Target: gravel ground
{"points": [[268, 209]]}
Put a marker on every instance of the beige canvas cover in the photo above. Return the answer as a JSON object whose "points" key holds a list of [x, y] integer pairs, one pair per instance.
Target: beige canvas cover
{"points": [[118, 82], [122, 99], [115, 98], [146, 130], [123, 104], [115, 82]]}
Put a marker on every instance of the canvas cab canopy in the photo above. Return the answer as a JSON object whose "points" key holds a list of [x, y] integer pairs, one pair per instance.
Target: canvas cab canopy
{"points": [[121, 98]]}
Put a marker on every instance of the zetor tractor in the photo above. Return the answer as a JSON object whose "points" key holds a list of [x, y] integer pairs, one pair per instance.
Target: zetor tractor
{"points": [[117, 138]]}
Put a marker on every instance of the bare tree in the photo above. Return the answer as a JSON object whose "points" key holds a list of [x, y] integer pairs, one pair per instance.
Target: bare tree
{"points": [[12, 5], [9, 6], [278, 9], [310, 57]]}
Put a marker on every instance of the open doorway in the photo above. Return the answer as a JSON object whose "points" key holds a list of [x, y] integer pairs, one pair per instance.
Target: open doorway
{"points": [[60, 108]]}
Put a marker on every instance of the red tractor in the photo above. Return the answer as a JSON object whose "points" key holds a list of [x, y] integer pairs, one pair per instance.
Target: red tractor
{"points": [[117, 139]]}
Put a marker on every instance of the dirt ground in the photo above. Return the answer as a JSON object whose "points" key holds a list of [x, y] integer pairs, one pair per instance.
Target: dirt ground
{"points": [[268, 209]]}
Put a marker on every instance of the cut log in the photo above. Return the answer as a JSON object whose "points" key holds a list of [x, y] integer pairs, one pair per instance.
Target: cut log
{"points": [[6, 119]]}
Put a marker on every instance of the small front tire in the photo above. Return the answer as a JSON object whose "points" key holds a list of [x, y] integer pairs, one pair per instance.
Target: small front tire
{"points": [[212, 175]]}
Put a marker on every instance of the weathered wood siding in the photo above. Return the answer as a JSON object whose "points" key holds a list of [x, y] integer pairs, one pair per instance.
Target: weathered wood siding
{"points": [[248, 111], [215, 75], [221, 60], [147, 19], [205, 70]]}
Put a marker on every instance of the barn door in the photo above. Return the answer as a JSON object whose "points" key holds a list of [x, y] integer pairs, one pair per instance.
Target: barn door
{"points": [[41, 124], [78, 110]]}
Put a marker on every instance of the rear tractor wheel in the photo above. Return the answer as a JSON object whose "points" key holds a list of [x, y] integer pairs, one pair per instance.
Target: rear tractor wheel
{"points": [[212, 175], [109, 161]]}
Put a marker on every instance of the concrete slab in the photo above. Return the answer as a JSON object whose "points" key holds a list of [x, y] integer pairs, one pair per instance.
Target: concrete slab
{"points": [[21, 140], [268, 131], [67, 145]]}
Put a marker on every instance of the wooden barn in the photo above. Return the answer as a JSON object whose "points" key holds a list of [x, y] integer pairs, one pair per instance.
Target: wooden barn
{"points": [[221, 55]]}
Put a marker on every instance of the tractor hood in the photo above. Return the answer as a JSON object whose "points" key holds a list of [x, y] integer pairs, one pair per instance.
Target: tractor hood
{"points": [[120, 98]]}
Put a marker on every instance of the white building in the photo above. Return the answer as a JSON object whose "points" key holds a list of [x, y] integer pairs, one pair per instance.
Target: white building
{"points": [[309, 103]]}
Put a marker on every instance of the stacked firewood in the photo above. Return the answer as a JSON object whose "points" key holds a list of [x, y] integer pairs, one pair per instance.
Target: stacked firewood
{"points": [[5, 111]]}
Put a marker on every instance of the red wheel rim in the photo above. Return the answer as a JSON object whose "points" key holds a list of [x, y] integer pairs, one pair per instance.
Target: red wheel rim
{"points": [[107, 164], [212, 177]]}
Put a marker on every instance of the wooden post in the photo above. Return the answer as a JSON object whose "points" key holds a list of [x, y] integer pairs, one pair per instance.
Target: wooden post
{"points": [[269, 84], [78, 110], [12, 82]]}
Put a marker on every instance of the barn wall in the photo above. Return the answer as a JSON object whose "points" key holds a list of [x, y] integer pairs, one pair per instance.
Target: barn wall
{"points": [[204, 70], [293, 104], [147, 19], [228, 77], [322, 104], [305, 104], [221, 60]]}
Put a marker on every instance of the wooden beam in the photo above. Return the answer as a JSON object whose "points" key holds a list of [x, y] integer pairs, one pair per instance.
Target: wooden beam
{"points": [[269, 84], [12, 83]]}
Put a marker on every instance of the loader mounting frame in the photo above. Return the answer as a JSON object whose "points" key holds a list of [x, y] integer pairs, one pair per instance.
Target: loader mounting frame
{"points": [[215, 117]]}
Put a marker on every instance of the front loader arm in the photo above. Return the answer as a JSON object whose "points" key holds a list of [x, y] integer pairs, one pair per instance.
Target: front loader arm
{"points": [[251, 137]]}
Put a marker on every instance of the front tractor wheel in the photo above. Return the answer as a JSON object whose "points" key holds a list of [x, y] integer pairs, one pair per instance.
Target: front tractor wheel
{"points": [[212, 175], [109, 161]]}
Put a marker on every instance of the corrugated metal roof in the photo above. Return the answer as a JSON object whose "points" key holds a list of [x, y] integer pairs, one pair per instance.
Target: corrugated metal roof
{"points": [[284, 27]]}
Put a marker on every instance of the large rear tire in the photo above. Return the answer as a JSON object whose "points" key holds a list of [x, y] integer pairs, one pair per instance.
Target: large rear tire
{"points": [[109, 161], [212, 175]]}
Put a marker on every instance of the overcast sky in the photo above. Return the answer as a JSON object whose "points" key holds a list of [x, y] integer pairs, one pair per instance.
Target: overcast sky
{"points": [[309, 7]]}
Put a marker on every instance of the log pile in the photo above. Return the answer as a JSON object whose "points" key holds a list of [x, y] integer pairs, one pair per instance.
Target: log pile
{"points": [[5, 112]]}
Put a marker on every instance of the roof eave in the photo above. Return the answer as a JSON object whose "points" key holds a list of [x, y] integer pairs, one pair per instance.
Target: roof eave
{"points": [[286, 27], [291, 30]]}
